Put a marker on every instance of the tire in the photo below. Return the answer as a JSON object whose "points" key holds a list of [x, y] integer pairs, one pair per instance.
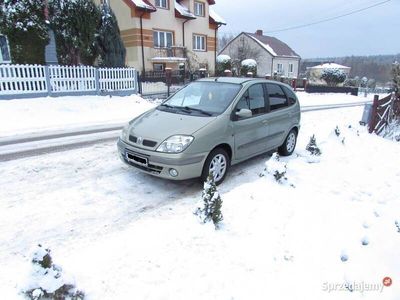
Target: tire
{"points": [[289, 144], [219, 159]]}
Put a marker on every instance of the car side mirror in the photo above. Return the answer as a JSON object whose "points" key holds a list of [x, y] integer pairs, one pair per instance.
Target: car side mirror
{"points": [[244, 113]]}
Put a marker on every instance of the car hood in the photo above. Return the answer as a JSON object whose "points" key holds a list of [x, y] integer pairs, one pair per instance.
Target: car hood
{"points": [[159, 125]]}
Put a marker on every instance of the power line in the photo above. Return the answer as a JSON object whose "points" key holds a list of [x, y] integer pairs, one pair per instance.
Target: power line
{"points": [[330, 19]]}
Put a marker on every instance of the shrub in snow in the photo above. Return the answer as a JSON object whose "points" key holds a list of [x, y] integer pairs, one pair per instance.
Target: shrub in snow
{"points": [[210, 209], [397, 223], [344, 257], [333, 77], [47, 280], [365, 241], [337, 131], [248, 65], [224, 63], [312, 147], [276, 168]]}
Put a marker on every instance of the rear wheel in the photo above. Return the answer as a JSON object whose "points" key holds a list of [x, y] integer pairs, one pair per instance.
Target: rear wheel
{"points": [[217, 163], [289, 144]]}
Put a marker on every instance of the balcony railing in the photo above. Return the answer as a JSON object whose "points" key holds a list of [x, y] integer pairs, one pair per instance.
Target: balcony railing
{"points": [[174, 51]]}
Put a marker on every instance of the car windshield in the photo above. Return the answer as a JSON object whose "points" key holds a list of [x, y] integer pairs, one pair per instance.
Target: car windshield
{"points": [[203, 98]]}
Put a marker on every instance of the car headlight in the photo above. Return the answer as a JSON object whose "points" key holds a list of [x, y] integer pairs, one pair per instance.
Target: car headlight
{"points": [[125, 133], [175, 144]]}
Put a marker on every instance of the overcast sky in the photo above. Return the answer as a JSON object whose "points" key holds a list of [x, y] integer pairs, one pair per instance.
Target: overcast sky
{"points": [[373, 31]]}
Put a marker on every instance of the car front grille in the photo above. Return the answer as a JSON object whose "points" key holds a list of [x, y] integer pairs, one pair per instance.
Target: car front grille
{"points": [[146, 143]]}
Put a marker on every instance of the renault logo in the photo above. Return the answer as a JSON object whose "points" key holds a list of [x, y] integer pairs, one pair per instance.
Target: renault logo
{"points": [[139, 140]]}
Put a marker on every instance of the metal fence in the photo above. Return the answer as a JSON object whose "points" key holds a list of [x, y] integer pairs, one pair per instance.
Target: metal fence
{"points": [[20, 81]]}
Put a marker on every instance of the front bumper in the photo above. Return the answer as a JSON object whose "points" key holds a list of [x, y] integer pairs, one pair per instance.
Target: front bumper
{"points": [[160, 164]]}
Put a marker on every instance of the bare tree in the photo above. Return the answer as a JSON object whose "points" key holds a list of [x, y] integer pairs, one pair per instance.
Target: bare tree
{"points": [[242, 49]]}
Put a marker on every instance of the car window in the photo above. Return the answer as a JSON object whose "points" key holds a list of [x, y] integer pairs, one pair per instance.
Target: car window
{"points": [[253, 99], [290, 95], [276, 96]]}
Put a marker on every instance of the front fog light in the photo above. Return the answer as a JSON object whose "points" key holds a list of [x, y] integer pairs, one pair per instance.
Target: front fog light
{"points": [[173, 172]]}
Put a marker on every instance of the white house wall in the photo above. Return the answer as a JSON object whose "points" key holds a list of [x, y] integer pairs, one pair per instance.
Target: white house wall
{"points": [[266, 63], [285, 63], [264, 59]]}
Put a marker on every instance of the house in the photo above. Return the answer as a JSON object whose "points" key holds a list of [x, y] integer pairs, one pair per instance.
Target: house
{"points": [[5, 56], [168, 33], [316, 71], [272, 55]]}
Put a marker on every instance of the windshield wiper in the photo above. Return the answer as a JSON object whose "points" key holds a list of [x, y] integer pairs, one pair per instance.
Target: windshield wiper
{"points": [[188, 108], [167, 105]]}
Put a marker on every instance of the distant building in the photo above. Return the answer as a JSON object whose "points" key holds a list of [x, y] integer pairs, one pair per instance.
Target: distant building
{"points": [[316, 71], [5, 55], [272, 55], [161, 34]]}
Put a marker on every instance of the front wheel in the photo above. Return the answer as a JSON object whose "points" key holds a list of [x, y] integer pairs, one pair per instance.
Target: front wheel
{"points": [[217, 163], [289, 144]]}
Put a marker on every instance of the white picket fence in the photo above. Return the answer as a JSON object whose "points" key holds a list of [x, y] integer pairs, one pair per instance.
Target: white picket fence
{"points": [[59, 80], [23, 79], [117, 79], [65, 79]]}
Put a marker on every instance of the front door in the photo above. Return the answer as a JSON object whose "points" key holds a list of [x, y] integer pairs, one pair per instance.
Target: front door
{"points": [[250, 134]]}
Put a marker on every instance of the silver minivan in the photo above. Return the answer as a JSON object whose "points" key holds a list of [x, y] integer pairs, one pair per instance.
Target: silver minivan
{"points": [[211, 124]]}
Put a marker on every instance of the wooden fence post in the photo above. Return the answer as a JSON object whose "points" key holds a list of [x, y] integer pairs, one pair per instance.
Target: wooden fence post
{"points": [[372, 122], [48, 81]]}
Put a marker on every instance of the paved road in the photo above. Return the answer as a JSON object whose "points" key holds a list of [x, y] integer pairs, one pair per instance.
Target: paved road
{"points": [[57, 141]]}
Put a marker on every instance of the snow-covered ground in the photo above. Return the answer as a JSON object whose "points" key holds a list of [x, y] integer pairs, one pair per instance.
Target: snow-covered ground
{"points": [[123, 234], [42, 114], [24, 116]]}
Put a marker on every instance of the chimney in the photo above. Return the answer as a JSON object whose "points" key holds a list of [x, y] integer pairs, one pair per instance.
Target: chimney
{"points": [[259, 32]]}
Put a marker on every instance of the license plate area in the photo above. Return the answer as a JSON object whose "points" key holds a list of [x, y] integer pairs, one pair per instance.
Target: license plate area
{"points": [[137, 159]]}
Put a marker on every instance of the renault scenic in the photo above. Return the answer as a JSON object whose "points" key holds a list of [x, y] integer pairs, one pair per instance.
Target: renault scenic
{"points": [[210, 125]]}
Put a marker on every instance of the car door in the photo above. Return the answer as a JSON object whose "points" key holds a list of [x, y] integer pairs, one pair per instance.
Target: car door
{"points": [[279, 116], [250, 134]]}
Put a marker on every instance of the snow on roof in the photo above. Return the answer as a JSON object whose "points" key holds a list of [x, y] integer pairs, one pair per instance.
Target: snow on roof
{"points": [[223, 58], [273, 45], [216, 17], [184, 11], [330, 66], [265, 46], [143, 4], [249, 62]]}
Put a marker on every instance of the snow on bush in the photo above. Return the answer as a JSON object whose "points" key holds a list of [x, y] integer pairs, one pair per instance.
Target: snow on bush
{"points": [[333, 77], [210, 208], [275, 168], [248, 65], [223, 58], [224, 62], [312, 147], [47, 280]]}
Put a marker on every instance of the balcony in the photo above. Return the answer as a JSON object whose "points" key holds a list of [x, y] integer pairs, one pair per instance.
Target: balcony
{"points": [[171, 54]]}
